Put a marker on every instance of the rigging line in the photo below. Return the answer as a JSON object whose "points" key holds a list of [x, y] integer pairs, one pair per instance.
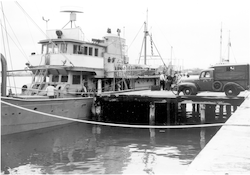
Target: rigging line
{"points": [[30, 33], [3, 38], [39, 28], [159, 54], [135, 37], [141, 50], [233, 54], [30, 18], [120, 125], [164, 35], [21, 50], [7, 40], [4, 44]]}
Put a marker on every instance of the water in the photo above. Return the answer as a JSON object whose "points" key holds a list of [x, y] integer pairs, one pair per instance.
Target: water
{"points": [[79, 148]]}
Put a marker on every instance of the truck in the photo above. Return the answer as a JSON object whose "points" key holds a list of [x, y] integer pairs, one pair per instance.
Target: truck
{"points": [[229, 78]]}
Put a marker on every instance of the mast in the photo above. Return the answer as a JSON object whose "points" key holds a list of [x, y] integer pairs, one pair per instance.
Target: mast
{"points": [[221, 60], [145, 43], [229, 45], [171, 65], [171, 55], [145, 39]]}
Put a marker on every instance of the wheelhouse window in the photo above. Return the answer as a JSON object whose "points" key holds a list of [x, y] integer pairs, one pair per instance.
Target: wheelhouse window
{"points": [[75, 49], [85, 50], [64, 78], [55, 78], [50, 48], [44, 48], [90, 51], [76, 79], [56, 48], [63, 48], [96, 52]]}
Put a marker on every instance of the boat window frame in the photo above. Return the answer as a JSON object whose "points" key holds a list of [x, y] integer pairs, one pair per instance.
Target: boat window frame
{"points": [[96, 51], [64, 47], [44, 48], [76, 79], [85, 50], [63, 77], [90, 51], [53, 78]]}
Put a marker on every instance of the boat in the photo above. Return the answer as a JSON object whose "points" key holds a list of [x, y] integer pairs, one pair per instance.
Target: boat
{"points": [[78, 69]]}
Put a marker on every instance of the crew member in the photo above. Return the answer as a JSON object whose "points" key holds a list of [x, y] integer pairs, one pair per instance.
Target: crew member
{"points": [[50, 90], [84, 90], [169, 82], [162, 81]]}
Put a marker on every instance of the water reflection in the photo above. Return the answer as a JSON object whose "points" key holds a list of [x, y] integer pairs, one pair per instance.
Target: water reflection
{"points": [[82, 148]]}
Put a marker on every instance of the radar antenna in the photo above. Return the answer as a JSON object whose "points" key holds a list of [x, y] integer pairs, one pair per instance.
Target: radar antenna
{"points": [[72, 11]]}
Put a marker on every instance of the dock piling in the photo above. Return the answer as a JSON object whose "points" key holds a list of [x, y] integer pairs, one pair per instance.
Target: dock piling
{"points": [[202, 113], [221, 112], [229, 110], [152, 113], [168, 113], [210, 113]]}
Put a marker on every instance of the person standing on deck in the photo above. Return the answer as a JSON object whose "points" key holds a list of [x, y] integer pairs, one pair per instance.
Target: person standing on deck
{"points": [[162, 81], [84, 91], [169, 82], [50, 91]]}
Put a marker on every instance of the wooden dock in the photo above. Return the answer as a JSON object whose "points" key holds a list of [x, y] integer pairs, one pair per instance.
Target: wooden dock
{"points": [[228, 152], [166, 108]]}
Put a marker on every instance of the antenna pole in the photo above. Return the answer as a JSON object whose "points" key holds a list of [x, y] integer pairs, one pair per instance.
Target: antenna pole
{"points": [[46, 23]]}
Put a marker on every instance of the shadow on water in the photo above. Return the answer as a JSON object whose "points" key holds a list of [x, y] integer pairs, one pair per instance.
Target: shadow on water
{"points": [[83, 148]]}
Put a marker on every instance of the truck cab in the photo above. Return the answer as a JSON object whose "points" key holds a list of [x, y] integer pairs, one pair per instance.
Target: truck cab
{"points": [[205, 80], [228, 78]]}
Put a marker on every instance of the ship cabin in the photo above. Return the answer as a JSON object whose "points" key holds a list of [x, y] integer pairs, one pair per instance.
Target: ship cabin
{"points": [[68, 62]]}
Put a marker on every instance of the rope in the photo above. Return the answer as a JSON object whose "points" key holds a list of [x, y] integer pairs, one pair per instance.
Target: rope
{"points": [[122, 125]]}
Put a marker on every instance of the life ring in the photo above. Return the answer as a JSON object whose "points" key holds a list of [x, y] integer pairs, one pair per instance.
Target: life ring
{"points": [[217, 86]]}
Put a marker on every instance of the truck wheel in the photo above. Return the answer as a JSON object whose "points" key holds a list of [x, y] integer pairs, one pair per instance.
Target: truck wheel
{"points": [[231, 91], [188, 91], [217, 86]]}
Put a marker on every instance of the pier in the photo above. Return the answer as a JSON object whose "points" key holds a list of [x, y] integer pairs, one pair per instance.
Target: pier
{"points": [[228, 151], [166, 108]]}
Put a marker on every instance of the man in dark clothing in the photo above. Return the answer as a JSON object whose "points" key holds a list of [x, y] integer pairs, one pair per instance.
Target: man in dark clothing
{"points": [[169, 82]]}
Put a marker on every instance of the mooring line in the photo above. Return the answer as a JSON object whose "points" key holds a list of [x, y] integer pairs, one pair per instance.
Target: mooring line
{"points": [[121, 125]]}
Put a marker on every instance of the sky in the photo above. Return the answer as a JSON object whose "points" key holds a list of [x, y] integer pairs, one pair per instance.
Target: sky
{"points": [[192, 28]]}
